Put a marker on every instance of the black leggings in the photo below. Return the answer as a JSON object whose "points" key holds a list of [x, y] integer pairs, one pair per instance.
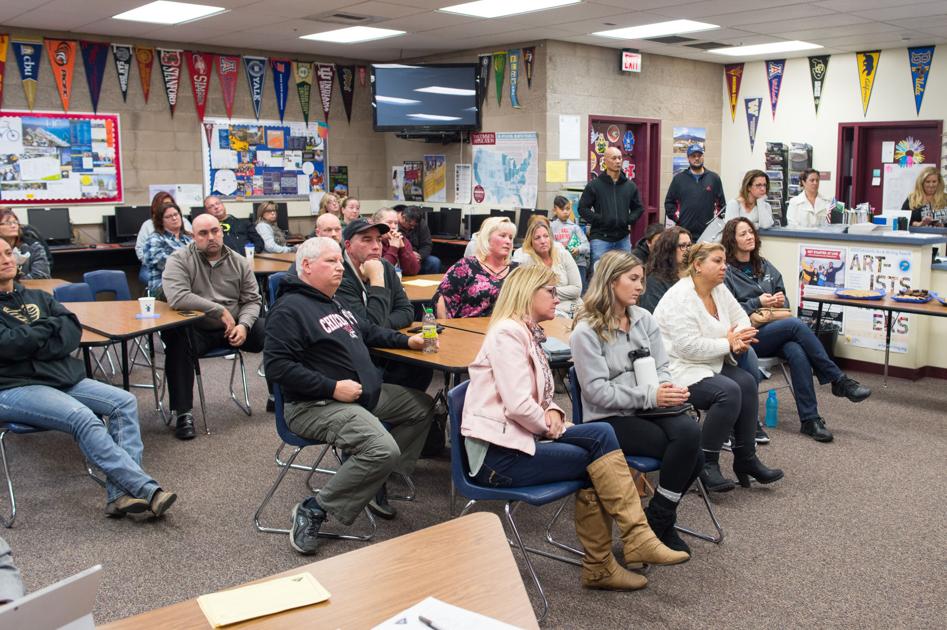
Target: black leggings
{"points": [[731, 401], [675, 440]]}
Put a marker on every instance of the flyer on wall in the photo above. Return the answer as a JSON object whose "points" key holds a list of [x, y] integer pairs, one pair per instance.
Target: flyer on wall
{"points": [[821, 272], [413, 183], [876, 268], [397, 183], [435, 178], [462, 181]]}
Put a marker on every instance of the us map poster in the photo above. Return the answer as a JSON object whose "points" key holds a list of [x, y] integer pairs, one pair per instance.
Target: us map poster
{"points": [[504, 168]]}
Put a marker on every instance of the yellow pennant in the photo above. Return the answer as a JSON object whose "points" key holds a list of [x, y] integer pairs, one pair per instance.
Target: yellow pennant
{"points": [[867, 68]]}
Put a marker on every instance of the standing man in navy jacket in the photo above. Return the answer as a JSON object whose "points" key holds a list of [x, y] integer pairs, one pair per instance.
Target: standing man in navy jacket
{"points": [[610, 204], [695, 196]]}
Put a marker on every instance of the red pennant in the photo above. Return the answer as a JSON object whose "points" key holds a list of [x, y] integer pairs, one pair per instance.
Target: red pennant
{"points": [[4, 42], [208, 132], [228, 68], [325, 75], [199, 66], [362, 75]]}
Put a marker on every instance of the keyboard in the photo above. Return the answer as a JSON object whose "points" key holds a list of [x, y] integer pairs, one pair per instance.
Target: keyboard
{"points": [[66, 246]]}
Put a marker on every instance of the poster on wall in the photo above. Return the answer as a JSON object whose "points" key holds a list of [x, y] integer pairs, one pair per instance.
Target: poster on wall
{"points": [[397, 183], [504, 168], [683, 138], [876, 268], [462, 179], [264, 158], [611, 133], [339, 180], [898, 184], [186, 195], [821, 272], [413, 180], [60, 158], [435, 178]]}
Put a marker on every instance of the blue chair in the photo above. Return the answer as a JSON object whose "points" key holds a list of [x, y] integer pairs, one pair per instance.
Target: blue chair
{"points": [[271, 284], [533, 495], [108, 281], [642, 465], [80, 292], [298, 443]]}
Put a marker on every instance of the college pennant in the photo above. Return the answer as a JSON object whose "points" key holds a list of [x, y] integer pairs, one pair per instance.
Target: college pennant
{"points": [[302, 75], [62, 59], [208, 132], [4, 42], [733, 75], [920, 59], [362, 76], [170, 61], [145, 56], [514, 56], [200, 66], [775, 69], [325, 78], [27, 60], [122, 56], [818, 66], [529, 59], [255, 68], [485, 62], [499, 65], [753, 106], [94, 57], [281, 69], [867, 63], [347, 87], [228, 67]]}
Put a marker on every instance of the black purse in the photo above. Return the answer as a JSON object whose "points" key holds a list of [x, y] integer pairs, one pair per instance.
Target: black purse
{"points": [[664, 412]]}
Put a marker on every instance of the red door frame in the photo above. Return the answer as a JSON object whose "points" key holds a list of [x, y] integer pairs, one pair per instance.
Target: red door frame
{"points": [[859, 128]]}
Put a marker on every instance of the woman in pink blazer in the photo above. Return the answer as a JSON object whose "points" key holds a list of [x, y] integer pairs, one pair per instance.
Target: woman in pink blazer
{"points": [[515, 435]]}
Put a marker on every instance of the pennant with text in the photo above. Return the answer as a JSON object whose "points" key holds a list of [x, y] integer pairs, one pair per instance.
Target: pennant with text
{"points": [[281, 70], [325, 78], [4, 43], [228, 67], [27, 60], [362, 76], [208, 132], [94, 57], [818, 66], [514, 56], [122, 56], [170, 60], [255, 68], [867, 63], [347, 88], [302, 75], [145, 56], [485, 63], [775, 69], [529, 60], [200, 66], [499, 67], [62, 59], [753, 106], [920, 59], [733, 75]]}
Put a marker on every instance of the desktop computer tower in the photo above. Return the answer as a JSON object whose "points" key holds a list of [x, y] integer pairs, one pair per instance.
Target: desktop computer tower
{"points": [[108, 229]]}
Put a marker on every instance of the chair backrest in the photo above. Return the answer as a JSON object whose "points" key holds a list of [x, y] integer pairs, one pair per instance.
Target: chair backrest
{"points": [[108, 281], [272, 284], [73, 292], [282, 429], [575, 393], [458, 455]]}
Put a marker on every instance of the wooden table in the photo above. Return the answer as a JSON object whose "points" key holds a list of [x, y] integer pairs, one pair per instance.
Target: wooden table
{"points": [[266, 266], [116, 320], [560, 328], [465, 562], [289, 257], [421, 294], [458, 349], [891, 308], [47, 284]]}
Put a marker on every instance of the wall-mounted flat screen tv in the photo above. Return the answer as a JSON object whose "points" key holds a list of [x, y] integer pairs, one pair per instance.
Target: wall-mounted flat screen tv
{"points": [[433, 97]]}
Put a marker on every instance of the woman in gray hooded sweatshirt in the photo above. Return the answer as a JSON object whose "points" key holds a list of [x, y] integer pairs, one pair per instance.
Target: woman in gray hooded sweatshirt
{"points": [[610, 328]]}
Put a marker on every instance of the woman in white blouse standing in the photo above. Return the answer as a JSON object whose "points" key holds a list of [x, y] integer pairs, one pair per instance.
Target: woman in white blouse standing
{"points": [[808, 209], [751, 202], [703, 327]]}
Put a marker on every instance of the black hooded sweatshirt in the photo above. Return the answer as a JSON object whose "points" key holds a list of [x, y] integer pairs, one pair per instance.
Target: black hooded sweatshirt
{"points": [[312, 342], [37, 337], [610, 207]]}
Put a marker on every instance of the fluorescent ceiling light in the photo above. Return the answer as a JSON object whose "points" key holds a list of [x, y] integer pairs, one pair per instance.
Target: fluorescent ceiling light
{"points": [[353, 35], [165, 12], [394, 100], [437, 89], [433, 117], [501, 8], [391, 65], [659, 29], [764, 49]]}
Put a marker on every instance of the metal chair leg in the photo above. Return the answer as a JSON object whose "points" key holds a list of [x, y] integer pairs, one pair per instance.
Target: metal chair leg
{"points": [[409, 495], [5, 521], [529, 565], [782, 365], [713, 518], [280, 463], [556, 543], [244, 406], [200, 394]]}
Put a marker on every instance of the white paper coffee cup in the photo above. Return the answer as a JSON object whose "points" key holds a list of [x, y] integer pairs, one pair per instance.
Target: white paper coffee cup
{"points": [[147, 306]]}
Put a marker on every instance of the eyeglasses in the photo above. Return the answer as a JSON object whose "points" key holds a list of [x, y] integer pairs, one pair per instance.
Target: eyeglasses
{"points": [[684, 246], [10, 222], [552, 291]]}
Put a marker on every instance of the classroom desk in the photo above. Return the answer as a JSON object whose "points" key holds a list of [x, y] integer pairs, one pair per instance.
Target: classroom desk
{"points": [[266, 266], [559, 328], [421, 294], [289, 257], [47, 284], [458, 349], [116, 320], [88, 341], [465, 562]]}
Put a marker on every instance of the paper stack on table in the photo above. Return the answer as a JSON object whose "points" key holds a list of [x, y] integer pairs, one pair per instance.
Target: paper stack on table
{"points": [[261, 599], [441, 615], [421, 282]]}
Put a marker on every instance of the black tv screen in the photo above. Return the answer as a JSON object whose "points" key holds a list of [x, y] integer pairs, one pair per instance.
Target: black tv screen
{"points": [[435, 97], [128, 220], [52, 223]]}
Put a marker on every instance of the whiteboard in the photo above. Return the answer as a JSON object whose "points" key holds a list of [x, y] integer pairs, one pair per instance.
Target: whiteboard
{"points": [[898, 184]]}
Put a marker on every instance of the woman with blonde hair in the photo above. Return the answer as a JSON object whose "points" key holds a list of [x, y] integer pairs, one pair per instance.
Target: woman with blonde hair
{"points": [[610, 334], [329, 204], [539, 248], [927, 202], [471, 286], [515, 435], [274, 237], [703, 328]]}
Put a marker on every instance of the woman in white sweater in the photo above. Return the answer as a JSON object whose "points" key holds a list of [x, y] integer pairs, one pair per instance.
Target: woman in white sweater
{"points": [[539, 248], [703, 327]]}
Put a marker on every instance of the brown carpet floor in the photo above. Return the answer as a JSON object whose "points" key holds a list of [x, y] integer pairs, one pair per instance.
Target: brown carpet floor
{"points": [[852, 537]]}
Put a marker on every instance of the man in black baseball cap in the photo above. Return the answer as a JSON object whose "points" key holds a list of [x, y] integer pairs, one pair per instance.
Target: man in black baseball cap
{"points": [[695, 196]]}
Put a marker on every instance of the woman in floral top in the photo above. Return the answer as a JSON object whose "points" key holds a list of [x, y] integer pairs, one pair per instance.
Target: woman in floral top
{"points": [[169, 235], [471, 286]]}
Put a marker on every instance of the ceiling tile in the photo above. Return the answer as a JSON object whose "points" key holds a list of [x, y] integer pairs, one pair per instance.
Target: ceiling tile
{"points": [[301, 8], [706, 8], [427, 21], [382, 9], [898, 11]]}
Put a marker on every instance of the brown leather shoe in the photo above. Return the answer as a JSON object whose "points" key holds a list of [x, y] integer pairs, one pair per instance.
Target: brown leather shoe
{"points": [[125, 505], [161, 501]]}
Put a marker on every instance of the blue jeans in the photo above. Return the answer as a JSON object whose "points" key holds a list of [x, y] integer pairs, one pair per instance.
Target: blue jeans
{"points": [[600, 247], [431, 264], [750, 361], [115, 449], [794, 341], [583, 273], [562, 460]]}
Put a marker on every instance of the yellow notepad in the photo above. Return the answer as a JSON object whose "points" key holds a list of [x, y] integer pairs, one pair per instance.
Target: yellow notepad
{"points": [[259, 600]]}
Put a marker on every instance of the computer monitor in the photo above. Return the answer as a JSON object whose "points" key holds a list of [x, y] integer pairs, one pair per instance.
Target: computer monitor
{"points": [[509, 214], [449, 222], [473, 223], [195, 212], [523, 223], [52, 223], [128, 221], [282, 214]]}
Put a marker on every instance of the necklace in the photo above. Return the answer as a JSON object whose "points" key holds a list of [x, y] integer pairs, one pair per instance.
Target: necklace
{"points": [[493, 271]]}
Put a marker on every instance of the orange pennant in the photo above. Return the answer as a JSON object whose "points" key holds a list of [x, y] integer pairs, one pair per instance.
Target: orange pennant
{"points": [[4, 42], [145, 56], [62, 58]]}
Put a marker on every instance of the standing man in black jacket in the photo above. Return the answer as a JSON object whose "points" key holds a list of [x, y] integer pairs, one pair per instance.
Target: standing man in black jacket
{"points": [[695, 196], [317, 352], [237, 232], [611, 205]]}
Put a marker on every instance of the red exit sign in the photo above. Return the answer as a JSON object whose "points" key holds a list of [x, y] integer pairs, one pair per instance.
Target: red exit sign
{"points": [[630, 61]]}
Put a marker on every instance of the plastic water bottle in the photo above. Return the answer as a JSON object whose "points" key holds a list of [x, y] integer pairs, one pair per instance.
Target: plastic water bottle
{"points": [[772, 409], [646, 371], [398, 270], [429, 330]]}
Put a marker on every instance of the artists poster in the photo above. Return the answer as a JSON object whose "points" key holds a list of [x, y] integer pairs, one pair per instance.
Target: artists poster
{"points": [[435, 178], [875, 268], [339, 180], [397, 183]]}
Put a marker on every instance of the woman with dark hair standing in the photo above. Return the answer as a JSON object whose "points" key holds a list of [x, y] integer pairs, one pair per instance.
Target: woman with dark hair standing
{"points": [[758, 287], [665, 265], [30, 256], [751, 202]]}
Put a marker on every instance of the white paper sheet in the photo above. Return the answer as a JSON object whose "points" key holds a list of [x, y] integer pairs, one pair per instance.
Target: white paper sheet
{"points": [[442, 615], [887, 151], [462, 179], [577, 171], [223, 158], [569, 136], [11, 136], [36, 169]]}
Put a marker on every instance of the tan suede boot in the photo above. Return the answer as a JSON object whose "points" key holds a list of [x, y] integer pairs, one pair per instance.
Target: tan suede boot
{"points": [[616, 491], [600, 569]]}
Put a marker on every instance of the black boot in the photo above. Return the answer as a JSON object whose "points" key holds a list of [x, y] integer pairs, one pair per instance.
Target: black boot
{"points": [[746, 464], [713, 479], [662, 514]]}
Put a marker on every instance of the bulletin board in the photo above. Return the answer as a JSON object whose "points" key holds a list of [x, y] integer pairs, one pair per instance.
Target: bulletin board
{"points": [[59, 158], [254, 159]]}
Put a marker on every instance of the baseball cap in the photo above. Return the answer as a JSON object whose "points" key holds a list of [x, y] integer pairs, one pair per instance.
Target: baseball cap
{"points": [[694, 148], [361, 225]]}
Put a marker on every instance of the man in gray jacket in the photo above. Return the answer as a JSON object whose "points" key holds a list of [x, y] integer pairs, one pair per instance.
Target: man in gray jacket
{"points": [[207, 276]]}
